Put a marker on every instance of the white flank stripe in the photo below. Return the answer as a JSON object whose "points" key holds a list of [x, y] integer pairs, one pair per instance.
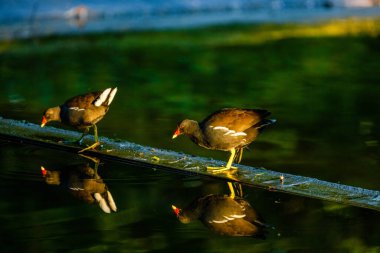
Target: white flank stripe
{"points": [[239, 134], [76, 108], [230, 132], [112, 95], [218, 221], [102, 98], [76, 189], [221, 128], [228, 218], [238, 216]]}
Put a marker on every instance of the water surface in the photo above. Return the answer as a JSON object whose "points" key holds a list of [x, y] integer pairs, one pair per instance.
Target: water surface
{"points": [[41, 217]]}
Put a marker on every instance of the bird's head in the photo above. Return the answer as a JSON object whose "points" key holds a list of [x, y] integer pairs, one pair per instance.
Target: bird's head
{"points": [[186, 126], [51, 114], [177, 132], [179, 213]]}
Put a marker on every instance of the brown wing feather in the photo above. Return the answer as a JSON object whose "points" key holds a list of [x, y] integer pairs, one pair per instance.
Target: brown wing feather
{"points": [[83, 101], [236, 119]]}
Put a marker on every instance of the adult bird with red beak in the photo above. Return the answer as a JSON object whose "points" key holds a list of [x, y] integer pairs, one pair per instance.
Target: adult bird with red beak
{"points": [[82, 112]]}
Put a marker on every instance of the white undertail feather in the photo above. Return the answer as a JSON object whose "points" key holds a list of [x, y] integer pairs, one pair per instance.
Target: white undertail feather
{"points": [[106, 96], [103, 97], [111, 202], [102, 203], [112, 95]]}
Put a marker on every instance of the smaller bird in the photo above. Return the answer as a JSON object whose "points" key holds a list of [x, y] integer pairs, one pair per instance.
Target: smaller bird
{"points": [[83, 182], [82, 112], [225, 215], [229, 129]]}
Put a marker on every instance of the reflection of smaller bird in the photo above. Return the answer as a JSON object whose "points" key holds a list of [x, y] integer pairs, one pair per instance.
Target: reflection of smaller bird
{"points": [[84, 183], [82, 112], [225, 215], [229, 129]]}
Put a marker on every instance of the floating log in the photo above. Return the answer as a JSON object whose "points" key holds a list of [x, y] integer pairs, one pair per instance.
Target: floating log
{"points": [[127, 152]]}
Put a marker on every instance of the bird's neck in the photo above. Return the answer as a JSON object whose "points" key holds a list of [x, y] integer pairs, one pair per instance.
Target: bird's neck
{"points": [[191, 214], [57, 114], [196, 134]]}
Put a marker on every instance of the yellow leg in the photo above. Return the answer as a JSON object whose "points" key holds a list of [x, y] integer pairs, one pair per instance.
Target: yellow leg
{"points": [[96, 144], [240, 189], [93, 146], [228, 166], [238, 155], [232, 191]]}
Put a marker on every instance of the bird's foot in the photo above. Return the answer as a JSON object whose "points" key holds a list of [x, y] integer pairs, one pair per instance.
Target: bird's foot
{"points": [[222, 169], [93, 146]]}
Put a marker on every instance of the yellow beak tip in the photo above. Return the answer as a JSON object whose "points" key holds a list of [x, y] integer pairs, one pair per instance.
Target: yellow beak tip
{"points": [[42, 125]]}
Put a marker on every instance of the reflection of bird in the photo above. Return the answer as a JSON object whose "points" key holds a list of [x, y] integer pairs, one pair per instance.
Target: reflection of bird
{"points": [[229, 129], [84, 183], [225, 215], [82, 112]]}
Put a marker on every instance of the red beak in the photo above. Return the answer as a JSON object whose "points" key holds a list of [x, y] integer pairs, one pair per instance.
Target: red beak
{"points": [[43, 171], [44, 121], [176, 133], [176, 210]]}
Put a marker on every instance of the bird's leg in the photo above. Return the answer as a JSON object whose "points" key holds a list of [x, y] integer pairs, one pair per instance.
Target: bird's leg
{"points": [[96, 164], [239, 189], [96, 133], [96, 144], [228, 166], [229, 163], [232, 191], [239, 155], [79, 141]]}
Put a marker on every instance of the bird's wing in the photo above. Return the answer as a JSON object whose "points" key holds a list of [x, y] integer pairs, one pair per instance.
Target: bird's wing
{"points": [[237, 227], [223, 210], [97, 98], [237, 120], [83, 101], [229, 217]]}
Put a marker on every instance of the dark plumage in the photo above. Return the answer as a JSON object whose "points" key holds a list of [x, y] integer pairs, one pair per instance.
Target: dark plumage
{"points": [[82, 112], [224, 215], [229, 129]]}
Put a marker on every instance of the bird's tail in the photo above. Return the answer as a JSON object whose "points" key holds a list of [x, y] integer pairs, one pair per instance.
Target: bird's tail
{"points": [[265, 123], [106, 97]]}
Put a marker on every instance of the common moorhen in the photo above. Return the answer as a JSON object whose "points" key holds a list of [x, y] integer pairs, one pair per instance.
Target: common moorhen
{"points": [[84, 183], [229, 129], [82, 112], [225, 215]]}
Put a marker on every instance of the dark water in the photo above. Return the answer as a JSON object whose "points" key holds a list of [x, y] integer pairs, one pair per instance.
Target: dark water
{"points": [[41, 217], [323, 91]]}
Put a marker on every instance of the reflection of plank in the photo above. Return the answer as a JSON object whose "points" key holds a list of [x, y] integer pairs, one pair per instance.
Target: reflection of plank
{"points": [[131, 153]]}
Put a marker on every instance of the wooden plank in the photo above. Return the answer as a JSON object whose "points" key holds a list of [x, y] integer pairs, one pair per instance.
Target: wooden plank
{"points": [[127, 152]]}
